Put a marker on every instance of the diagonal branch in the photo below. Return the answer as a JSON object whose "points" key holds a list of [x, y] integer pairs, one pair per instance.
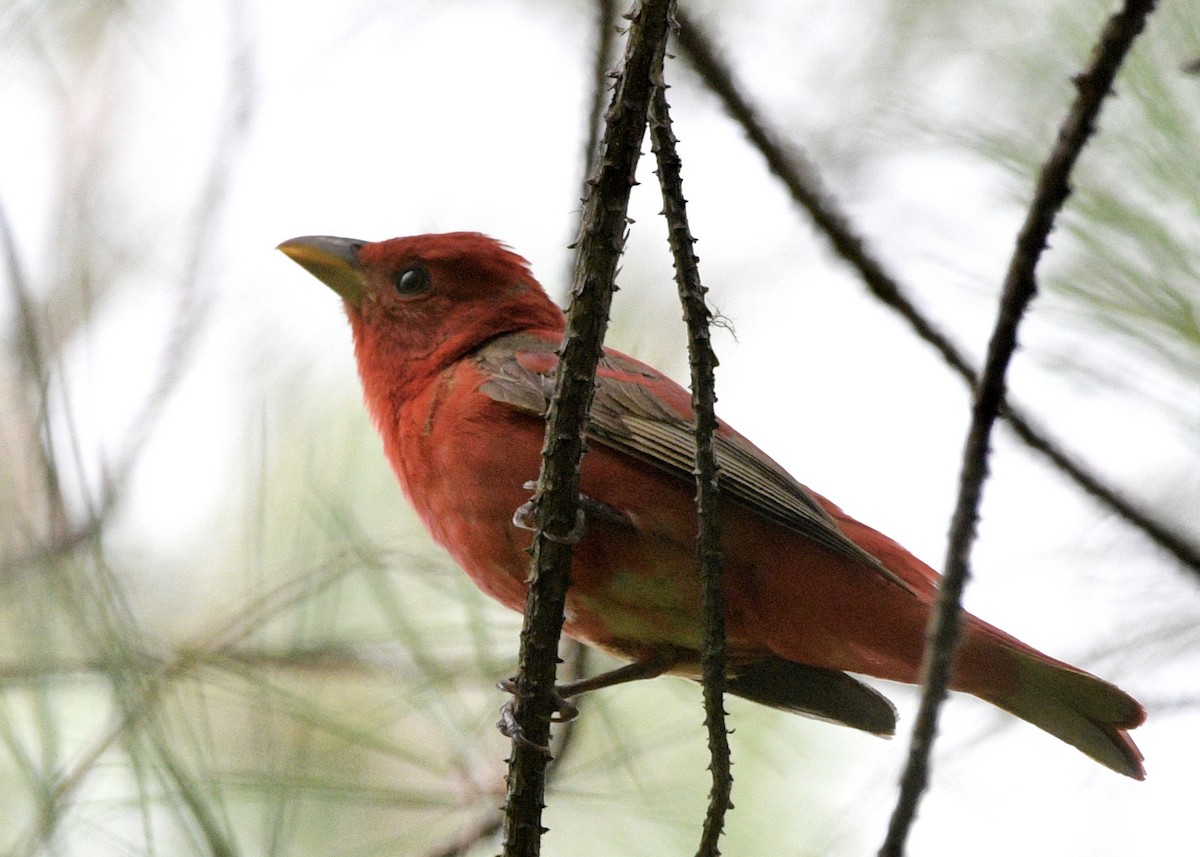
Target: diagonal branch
{"points": [[188, 320], [237, 115], [704, 396], [601, 239], [33, 362], [1020, 286], [802, 182]]}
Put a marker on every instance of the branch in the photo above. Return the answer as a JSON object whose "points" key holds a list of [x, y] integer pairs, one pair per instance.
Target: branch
{"points": [[606, 26], [34, 367], [1020, 286], [142, 692], [708, 542], [559, 516], [801, 180], [237, 114], [486, 826], [606, 29], [187, 323]]}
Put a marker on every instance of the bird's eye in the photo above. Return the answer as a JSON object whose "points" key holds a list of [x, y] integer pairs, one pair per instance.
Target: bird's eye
{"points": [[412, 281]]}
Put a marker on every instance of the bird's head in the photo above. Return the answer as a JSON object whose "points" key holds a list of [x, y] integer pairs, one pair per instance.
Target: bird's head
{"points": [[418, 304]]}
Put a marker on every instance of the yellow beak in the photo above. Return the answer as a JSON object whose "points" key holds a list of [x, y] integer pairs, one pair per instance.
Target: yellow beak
{"points": [[333, 261]]}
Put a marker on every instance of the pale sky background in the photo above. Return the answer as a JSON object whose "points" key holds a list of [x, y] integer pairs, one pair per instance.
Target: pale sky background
{"points": [[372, 120]]}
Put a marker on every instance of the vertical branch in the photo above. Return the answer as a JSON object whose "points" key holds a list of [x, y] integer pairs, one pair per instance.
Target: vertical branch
{"points": [[559, 516], [708, 543], [804, 185], [606, 28], [1020, 286], [574, 658], [34, 379], [606, 25]]}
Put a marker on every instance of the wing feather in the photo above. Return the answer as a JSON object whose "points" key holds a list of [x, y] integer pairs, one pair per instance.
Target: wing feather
{"points": [[627, 416]]}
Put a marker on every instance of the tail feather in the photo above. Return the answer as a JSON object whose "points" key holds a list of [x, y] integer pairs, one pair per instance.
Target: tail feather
{"points": [[815, 692], [1078, 708]]}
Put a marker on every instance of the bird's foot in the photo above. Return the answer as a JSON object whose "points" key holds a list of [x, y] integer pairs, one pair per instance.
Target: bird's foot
{"points": [[564, 711], [525, 518], [510, 728]]}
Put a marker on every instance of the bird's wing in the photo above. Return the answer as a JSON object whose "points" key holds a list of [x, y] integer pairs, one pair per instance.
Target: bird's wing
{"points": [[640, 412]]}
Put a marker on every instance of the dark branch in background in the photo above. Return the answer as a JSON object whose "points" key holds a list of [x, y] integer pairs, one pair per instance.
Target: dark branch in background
{"points": [[142, 689], [559, 514], [1020, 286], [708, 542], [34, 376], [1168, 538], [187, 323], [241, 93], [98, 604], [575, 657], [329, 661], [606, 29], [802, 182]]}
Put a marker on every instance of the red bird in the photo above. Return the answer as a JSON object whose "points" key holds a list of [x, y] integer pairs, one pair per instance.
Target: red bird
{"points": [[456, 345]]}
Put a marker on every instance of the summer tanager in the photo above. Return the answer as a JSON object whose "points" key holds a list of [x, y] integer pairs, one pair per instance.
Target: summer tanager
{"points": [[456, 345]]}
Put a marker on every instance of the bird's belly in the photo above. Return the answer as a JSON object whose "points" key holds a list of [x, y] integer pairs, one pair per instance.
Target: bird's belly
{"points": [[633, 610], [631, 596]]}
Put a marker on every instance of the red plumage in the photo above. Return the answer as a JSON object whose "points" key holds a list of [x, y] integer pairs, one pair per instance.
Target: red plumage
{"points": [[456, 345]]}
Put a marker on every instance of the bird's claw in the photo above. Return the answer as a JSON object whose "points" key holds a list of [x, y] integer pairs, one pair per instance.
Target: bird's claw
{"points": [[510, 728], [525, 518], [564, 709], [574, 535], [564, 712]]}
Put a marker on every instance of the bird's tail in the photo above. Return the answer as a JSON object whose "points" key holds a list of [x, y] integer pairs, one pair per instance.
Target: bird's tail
{"points": [[1086, 712]]}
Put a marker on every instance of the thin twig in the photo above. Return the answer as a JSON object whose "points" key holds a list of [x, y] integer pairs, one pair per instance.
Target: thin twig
{"points": [[189, 317], [606, 30], [601, 239], [708, 542], [35, 377], [142, 690], [802, 182], [483, 828], [1020, 286], [187, 322]]}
